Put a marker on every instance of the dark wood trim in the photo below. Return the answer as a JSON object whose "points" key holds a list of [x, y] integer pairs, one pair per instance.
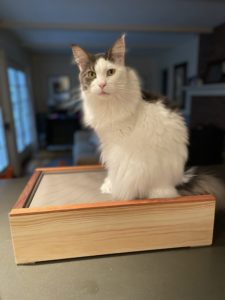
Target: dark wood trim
{"points": [[27, 190], [184, 66]]}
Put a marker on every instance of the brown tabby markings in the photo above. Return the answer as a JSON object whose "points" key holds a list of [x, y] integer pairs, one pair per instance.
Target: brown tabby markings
{"points": [[85, 81], [90, 66]]}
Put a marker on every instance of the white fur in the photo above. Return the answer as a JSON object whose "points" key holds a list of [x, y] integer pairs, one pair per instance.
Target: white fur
{"points": [[106, 187], [144, 145]]}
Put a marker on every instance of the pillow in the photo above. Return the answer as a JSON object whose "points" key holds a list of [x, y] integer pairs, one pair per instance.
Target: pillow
{"points": [[93, 139]]}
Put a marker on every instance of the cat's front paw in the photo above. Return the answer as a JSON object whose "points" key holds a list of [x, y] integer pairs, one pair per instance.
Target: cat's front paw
{"points": [[106, 187], [168, 192]]}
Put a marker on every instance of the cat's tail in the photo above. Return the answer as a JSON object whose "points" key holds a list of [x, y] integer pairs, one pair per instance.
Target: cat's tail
{"points": [[196, 182]]}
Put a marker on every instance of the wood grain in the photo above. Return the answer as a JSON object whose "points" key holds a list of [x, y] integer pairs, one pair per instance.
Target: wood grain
{"points": [[107, 204], [100, 226], [117, 228]]}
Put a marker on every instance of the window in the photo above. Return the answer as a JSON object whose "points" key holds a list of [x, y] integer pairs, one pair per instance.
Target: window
{"points": [[21, 107], [3, 149]]}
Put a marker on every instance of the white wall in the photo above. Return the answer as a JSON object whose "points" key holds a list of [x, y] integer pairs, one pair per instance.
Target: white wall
{"points": [[10, 44], [142, 65], [45, 66], [148, 66], [185, 53]]}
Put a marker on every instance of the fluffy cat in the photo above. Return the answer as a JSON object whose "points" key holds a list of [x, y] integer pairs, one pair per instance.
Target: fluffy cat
{"points": [[143, 140]]}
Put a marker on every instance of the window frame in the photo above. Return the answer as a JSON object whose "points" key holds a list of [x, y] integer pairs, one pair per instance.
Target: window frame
{"points": [[3, 143], [21, 144]]}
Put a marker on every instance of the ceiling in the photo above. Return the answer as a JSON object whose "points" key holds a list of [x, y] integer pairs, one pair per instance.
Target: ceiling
{"points": [[52, 25]]}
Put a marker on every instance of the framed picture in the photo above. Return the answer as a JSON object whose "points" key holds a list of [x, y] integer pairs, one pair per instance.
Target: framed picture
{"points": [[59, 90], [180, 80]]}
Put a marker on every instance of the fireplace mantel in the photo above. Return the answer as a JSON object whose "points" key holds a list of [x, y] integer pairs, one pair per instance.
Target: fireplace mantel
{"points": [[217, 89]]}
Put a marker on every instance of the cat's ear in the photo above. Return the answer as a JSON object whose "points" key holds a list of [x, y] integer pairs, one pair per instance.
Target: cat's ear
{"points": [[81, 57], [117, 52]]}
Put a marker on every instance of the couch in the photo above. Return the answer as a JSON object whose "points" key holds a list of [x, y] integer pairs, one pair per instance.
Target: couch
{"points": [[85, 148]]}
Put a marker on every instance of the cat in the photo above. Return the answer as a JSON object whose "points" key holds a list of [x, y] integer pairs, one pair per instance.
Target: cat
{"points": [[143, 139]]}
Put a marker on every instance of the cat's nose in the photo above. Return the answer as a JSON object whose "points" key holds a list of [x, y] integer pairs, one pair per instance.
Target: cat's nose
{"points": [[102, 84]]}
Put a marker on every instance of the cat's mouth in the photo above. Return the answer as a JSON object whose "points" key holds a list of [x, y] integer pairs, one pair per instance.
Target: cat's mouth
{"points": [[103, 93]]}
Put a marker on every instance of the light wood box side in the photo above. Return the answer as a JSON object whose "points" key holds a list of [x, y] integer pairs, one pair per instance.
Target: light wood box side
{"points": [[86, 229], [96, 229]]}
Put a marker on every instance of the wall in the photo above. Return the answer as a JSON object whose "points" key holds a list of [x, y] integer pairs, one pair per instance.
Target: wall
{"points": [[45, 66], [148, 66], [13, 49], [186, 52], [142, 64], [211, 49]]}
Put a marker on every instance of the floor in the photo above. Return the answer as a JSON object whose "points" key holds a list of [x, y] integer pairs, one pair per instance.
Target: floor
{"points": [[47, 158]]}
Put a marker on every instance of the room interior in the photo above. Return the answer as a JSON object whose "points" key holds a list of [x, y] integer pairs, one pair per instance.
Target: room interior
{"points": [[180, 56], [178, 49]]}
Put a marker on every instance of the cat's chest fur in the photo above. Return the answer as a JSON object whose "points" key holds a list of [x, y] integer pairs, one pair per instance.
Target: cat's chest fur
{"points": [[148, 132], [143, 146]]}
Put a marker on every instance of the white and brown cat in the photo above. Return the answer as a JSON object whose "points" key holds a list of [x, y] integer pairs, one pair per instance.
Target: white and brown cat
{"points": [[143, 139]]}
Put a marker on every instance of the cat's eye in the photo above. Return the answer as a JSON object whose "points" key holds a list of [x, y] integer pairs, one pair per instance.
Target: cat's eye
{"points": [[110, 72], [91, 74]]}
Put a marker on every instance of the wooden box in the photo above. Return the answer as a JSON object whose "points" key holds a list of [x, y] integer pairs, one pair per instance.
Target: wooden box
{"points": [[61, 214]]}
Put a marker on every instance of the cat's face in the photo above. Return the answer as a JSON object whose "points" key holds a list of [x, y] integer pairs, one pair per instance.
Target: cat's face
{"points": [[101, 75]]}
